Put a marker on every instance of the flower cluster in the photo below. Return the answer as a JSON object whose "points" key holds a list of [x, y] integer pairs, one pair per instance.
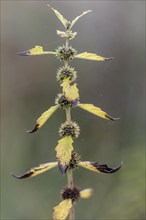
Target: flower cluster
{"points": [[66, 158]]}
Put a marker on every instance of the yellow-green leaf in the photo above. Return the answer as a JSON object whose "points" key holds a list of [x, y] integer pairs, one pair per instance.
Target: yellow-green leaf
{"points": [[37, 50], [100, 168], [67, 24], [37, 170], [88, 165], [75, 20], [70, 92], [43, 118], [62, 210], [96, 111], [60, 17], [92, 56], [63, 152], [67, 34], [62, 34], [86, 193]]}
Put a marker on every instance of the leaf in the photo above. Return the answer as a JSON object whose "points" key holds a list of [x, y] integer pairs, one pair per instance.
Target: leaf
{"points": [[37, 170], [37, 50], [43, 118], [62, 210], [92, 56], [70, 92], [67, 24], [62, 33], [86, 193], [67, 34], [60, 17], [76, 19], [64, 152], [96, 111], [100, 168]]}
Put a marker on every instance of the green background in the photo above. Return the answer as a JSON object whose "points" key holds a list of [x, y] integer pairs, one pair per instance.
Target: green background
{"points": [[29, 87]]}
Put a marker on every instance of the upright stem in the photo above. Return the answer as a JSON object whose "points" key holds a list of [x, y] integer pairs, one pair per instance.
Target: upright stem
{"points": [[69, 171], [70, 178], [66, 46], [72, 213], [68, 115], [66, 43]]}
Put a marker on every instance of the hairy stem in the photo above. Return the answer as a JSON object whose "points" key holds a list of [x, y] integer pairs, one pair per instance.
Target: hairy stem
{"points": [[70, 178], [66, 46], [69, 171], [70, 185], [68, 115], [72, 213]]}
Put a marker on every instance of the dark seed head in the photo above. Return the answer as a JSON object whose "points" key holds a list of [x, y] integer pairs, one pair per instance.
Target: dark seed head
{"points": [[66, 72], [71, 129], [74, 162], [64, 103], [73, 194], [65, 54]]}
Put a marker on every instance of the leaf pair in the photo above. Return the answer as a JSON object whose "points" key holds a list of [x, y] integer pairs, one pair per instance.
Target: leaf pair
{"points": [[71, 96], [38, 50], [93, 166], [68, 34], [67, 24]]}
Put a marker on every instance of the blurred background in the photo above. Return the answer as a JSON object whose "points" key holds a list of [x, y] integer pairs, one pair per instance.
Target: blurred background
{"points": [[29, 87]]}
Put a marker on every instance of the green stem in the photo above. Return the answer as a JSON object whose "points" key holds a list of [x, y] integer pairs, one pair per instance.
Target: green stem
{"points": [[70, 178], [72, 213], [67, 43], [70, 185], [69, 171], [68, 115]]}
